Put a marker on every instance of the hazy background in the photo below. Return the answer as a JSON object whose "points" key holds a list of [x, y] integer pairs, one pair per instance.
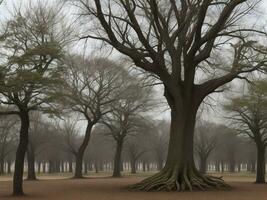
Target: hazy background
{"points": [[213, 111]]}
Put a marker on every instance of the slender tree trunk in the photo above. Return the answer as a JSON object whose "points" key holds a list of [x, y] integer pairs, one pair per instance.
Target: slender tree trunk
{"points": [[232, 166], [117, 158], [179, 172], [148, 166], [31, 163], [217, 166], [86, 167], [203, 164], [50, 167], [223, 166], [133, 166], [39, 167], [96, 166], [159, 161], [253, 166], [2, 171], [44, 167], [70, 166], [62, 167], [58, 164], [144, 166], [90, 166], [80, 153], [9, 163], [260, 177], [20, 155]]}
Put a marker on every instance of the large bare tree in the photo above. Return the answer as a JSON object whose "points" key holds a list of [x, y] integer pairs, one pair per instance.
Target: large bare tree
{"points": [[180, 42]]}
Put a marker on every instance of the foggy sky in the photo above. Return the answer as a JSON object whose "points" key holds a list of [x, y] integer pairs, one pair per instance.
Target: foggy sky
{"points": [[214, 115]]}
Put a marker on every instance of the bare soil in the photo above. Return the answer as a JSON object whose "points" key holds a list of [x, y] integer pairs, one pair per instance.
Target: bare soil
{"points": [[100, 188]]}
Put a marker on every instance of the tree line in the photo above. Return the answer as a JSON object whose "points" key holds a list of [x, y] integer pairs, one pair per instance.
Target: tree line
{"points": [[52, 149]]}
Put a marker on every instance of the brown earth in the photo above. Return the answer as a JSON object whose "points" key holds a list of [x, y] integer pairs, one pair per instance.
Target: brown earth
{"points": [[116, 189]]}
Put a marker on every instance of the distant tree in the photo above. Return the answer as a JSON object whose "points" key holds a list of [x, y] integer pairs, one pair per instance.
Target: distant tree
{"points": [[205, 142], [158, 141], [37, 140], [7, 139], [89, 87], [51, 153], [225, 153], [135, 148], [250, 156], [68, 138], [125, 119], [100, 149], [34, 42], [249, 116]]}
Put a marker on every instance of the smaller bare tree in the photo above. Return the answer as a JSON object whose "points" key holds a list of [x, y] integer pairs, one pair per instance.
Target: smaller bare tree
{"points": [[135, 148], [126, 118], [37, 139], [158, 139], [249, 116], [34, 43], [7, 139], [89, 87], [205, 143]]}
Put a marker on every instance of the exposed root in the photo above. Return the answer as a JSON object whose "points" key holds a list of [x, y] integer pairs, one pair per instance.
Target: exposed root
{"points": [[189, 180]]}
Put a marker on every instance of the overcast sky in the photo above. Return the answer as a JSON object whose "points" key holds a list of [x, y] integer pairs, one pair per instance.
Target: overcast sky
{"points": [[7, 6]]}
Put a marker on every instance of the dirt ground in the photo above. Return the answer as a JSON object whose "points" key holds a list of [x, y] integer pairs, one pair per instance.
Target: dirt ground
{"points": [[100, 188]]}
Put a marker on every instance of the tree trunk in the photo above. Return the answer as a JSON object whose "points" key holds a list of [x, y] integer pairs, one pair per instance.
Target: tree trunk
{"points": [[44, 167], [232, 166], [57, 166], [96, 166], [80, 153], [253, 166], [39, 167], [101, 166], [62, 166], [148, 166], [50, 167], [159, 163], [20, 155], [86, 167], [203, 164], [117, 158], [223, 166], [31, 163], [179, 172], [143, 166], [70, 166], [260, 177], [217, 166], [2, 171], [9, 163], [133, 166]]}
